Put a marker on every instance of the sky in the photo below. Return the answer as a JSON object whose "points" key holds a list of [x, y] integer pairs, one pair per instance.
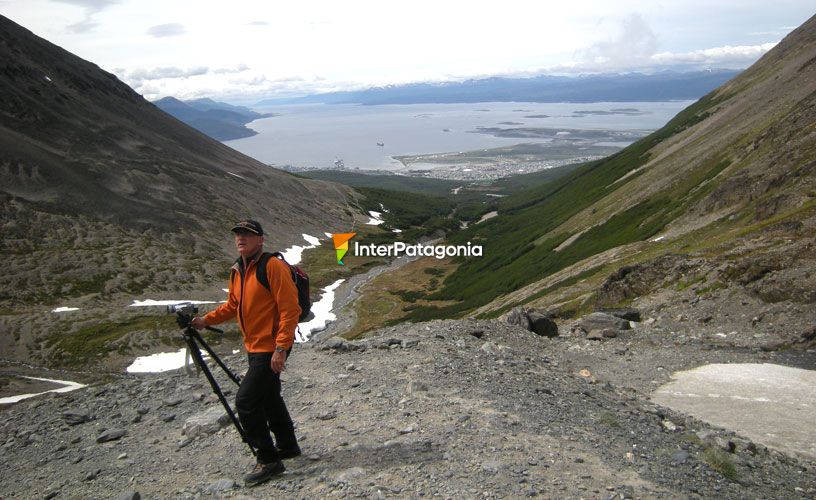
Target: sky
{"points": [[247, 50]]}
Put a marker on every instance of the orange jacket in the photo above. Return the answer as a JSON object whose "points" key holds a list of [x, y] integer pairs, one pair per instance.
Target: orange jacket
{"points": [[267, 318]]}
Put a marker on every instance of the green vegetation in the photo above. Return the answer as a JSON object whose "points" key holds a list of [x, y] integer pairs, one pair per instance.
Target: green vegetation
{"points": [[519, 244], [608, 419], [96, 339], [721, 461]]}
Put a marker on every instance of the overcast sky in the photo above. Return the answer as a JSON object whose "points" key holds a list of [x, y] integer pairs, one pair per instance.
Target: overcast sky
{"points": [[250, 49]]}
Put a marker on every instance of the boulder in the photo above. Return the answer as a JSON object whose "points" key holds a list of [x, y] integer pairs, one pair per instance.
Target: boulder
{"points": [[627, 313], [518, 316], [600, 321], [542, 324]]}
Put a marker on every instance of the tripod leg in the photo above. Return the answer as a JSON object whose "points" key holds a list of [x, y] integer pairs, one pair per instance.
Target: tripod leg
{"points": [[235, 378], [196, 353]]}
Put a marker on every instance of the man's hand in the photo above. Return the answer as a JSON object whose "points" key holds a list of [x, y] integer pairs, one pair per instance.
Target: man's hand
{"points": [[278, 361], [199, 323]]}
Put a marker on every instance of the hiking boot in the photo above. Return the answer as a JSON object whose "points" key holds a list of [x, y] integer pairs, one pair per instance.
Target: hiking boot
{"points": [[290, 452], [263, 473]]}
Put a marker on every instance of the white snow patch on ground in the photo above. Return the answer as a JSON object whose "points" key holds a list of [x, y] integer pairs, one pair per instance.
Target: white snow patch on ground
{"points": [[375, 218], [171, 302], [294, 254], [65, 309], [236, 175], [766, 403], [67, 386], [160, 362], [322, 310]]}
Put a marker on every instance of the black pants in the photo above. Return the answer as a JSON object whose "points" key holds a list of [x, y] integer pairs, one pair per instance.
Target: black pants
{"points": [[261, 409]]}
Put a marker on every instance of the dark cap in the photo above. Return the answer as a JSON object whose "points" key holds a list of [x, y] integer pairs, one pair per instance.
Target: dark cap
{"points": [[249, 225]]}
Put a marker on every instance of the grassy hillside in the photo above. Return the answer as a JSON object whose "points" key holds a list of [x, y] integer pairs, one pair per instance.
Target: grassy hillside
{"points": [[519, 244]]}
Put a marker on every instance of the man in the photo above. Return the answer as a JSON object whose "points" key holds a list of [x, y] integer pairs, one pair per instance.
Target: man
{"points": [[267, 319]]}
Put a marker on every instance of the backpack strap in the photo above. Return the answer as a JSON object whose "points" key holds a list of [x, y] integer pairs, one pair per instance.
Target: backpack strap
{"points": [[260, 268]]}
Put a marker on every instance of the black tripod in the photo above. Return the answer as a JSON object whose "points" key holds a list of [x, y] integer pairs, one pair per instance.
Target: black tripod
{"points": [[184, 316]]}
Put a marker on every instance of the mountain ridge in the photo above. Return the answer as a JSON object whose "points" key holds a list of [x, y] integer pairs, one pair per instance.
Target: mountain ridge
{"points": [[628, 87], [218, 120]]}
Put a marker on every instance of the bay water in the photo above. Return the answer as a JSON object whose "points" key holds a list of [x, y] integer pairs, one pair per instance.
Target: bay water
{"points": [[367, 137]]}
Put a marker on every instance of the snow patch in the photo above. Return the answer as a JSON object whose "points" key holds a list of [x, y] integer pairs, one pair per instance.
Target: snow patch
{"points": [[376, 219], [65, 309], [322, 310], [67, 386], [295, 253], [151, 302], [160, 362]]}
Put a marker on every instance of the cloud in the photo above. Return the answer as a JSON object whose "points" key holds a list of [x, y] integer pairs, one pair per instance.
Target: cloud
{"points": [[634, 43], [91, 7], [137, 77], [237, 69], [165, 30], [84, 26], [726, 55]]}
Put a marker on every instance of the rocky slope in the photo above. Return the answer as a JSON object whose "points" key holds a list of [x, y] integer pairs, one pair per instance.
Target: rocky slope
{"points": [[456, 409], [106, 199]]}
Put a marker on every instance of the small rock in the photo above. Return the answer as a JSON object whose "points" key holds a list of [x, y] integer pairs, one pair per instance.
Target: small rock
{"points": [[680, 457], [595, 335], [609, 333], [335, 343], [207, 422], [650, 321], [172, 402], [726, 444], [142, 410], [111, 435], [327, 415], [122, 456], [351, 474], [669, 425], [409, 343], [414, 387], [220, 486], [92, 475], [76, 417], [129, 495], [491, 349], [168, 418], [407, 430], [492, 466]]}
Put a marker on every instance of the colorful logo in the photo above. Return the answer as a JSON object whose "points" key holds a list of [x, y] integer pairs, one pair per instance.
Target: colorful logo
{"points": [[341, 245]]}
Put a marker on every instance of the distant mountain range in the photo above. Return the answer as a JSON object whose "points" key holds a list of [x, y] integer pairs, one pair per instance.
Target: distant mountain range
{"points": [[663, 86], [218, 120]]}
